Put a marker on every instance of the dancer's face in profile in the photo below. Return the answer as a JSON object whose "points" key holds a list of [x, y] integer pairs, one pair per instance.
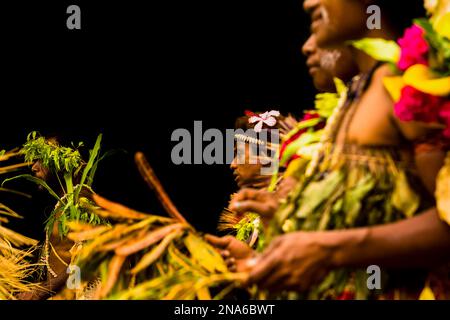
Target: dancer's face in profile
{"points": [[40, 171], [246, 173], [324, 65], [335, 21], [322, 78]]}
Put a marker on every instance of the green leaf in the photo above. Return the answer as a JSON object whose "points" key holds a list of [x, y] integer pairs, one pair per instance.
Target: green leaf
{"points": [[354, 199], [440, 48], [403, 197], [362, 291], [379, 49], [91, 175], [325, 103], [35, 180], [318, 192], [303, 140], [93, 155]]}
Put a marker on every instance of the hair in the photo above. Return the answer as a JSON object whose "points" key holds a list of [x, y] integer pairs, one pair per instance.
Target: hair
{"points": [[243, 123], [400, 14]]}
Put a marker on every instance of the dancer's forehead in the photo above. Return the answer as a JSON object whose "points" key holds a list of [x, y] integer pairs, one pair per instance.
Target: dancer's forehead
{"points": [[336, 21]]}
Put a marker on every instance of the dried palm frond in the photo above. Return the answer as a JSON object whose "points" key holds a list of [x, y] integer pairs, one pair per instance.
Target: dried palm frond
{"points": [[15, 268], [143, 256], [228, 220], [15, 238], [6, 155], [153, 182]]}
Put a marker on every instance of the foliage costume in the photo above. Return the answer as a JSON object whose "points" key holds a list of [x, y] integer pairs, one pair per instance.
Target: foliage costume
{"points": [[15, 268], [347, 186], [74, 198]]}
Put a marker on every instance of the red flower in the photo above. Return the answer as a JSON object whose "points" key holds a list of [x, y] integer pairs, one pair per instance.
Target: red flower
{"points": [[310, 115], [314, 115], [249, 113], [444, 115], [289, 141], [414, 48], [417, 105], [346, 295], [307, 116]]}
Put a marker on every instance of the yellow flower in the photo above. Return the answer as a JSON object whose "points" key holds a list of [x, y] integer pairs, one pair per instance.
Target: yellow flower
{"points": [[394, 86], [431, 5], [442, 25], [419, 77], [439, 10], [424, 79]]}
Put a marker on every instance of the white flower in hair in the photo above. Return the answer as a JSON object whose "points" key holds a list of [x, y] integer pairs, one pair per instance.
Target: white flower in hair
{"points": [[267, 117]]}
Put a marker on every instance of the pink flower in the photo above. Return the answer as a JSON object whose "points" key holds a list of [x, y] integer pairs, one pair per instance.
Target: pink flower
{"points": [[268, 118], [417, 105], [414, 48]]}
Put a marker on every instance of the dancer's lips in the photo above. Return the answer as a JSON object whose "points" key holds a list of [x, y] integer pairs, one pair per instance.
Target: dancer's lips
{"points": [[313, 70]]}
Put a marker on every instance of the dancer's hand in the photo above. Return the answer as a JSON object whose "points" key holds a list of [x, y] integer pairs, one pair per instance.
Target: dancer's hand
{"points": [[30, 295], [235, 252], [263, 202], [293, 261]]}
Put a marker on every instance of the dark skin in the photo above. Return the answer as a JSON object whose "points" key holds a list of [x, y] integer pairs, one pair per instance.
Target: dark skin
{"points": [[61, 245], [323, 64], [336, 21], [298, 260], [247, 173]]}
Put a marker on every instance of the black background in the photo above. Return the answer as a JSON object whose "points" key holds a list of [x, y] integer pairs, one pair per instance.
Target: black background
{"points": [[136, 71]]}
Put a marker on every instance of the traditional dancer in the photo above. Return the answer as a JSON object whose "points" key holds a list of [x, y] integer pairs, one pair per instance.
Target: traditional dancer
{"points": [[68, 178], [357, 179], [299, 140]]}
